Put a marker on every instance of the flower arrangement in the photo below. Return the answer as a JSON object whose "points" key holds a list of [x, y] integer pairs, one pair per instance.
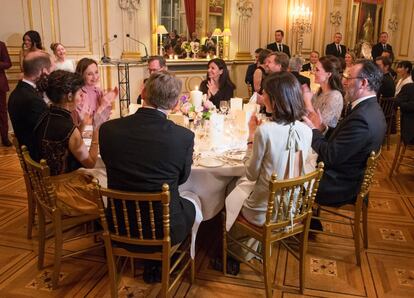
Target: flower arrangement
{"points": [[186, 46], [196, 113]]}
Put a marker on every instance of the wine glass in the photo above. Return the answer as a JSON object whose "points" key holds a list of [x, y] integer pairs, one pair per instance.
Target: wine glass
{"points": [[224, 106]]}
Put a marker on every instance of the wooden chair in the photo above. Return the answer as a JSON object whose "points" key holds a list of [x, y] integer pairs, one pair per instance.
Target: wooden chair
{"points": [[249, 90], [285, 191], [388, 106], [31, 203], [45, 195], [360, 209], [124, 224], [400, 157]]}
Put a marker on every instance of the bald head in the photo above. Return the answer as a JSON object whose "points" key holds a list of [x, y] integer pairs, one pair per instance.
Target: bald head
{"points": [[36, 63]]}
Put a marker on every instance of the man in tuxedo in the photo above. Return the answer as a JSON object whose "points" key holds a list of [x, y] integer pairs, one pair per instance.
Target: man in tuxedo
{"points": [[387, 88], [405, 99], [313, 58], [381, 46], [278, 46], [26, 104], [145, 150], [295, 65], [335, 48], [345, 149], [155, 63], [5, 63]]}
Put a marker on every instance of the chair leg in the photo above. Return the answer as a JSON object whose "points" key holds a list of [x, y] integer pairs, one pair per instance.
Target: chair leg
{"points": [[165, 279], [396, 158], [404, 147], [365, 222], [112, 274], [224, 262], [357, 234], [42, 240], [302, 255], [31, 204], [58, 257], [192, 271], [266, 269]]}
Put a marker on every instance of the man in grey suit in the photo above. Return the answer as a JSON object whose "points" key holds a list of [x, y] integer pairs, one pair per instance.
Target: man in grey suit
{"points": [[345, 149]]}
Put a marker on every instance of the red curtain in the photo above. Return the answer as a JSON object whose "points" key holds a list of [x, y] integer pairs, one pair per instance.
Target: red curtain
{"points": [[190, 13]]}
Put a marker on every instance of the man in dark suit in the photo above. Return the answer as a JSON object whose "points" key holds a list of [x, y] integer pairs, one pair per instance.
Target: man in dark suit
{"points": [[145, 150], [336, 48], [387, 88], [313, 58], [155, 63], [5, 63], [26, 104], [278, 46], [381, 46], [345, 149], [295, 65], [405, 99]]}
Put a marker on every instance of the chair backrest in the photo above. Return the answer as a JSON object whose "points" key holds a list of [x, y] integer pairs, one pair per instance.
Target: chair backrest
{"points": [[372, 163], [249, 90], [398, 121], [295, 198], [133, 208], [43, 189], [387, 104], [16, 144]]}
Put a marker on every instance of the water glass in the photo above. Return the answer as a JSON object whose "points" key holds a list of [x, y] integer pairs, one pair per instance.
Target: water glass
{"points": [[224, 106]]}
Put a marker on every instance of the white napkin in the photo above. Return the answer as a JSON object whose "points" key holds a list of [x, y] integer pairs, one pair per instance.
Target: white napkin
{"points": [[253, 99], [193, 198]]}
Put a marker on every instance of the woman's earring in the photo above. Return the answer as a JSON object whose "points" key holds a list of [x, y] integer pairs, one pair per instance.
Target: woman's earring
{"points": [[69, 97]]}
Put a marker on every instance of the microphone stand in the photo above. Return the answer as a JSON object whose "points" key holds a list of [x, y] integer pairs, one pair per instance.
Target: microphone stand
{"points": [[145, 58], [106, 59]]}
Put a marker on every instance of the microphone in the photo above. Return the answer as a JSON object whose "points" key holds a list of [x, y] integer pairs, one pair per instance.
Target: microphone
{"points": [[106, 59], [145, 58]]}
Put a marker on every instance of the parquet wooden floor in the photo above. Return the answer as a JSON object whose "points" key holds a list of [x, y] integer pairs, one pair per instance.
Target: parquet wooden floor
{"points": [[387, 266]]}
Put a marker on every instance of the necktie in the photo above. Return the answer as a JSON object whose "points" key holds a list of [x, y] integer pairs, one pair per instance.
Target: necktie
{"points": [[338, 48], [279, 47], [384, 46]]}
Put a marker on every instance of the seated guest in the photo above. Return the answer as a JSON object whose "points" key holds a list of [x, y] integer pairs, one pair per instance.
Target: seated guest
{"points": [[349, 60], [218, 85], [266, 154], [405, 100], [295, 65], [145, 150], [329, 98], [252, 67], [155, 64], [210, 42], [345, 149], [260, 72], [387, 88], [60, 142], [168, 51], [194, 37], [404, 69], [26, 104], [313, 58], [276, 62], [60, 57], [390, 55]]}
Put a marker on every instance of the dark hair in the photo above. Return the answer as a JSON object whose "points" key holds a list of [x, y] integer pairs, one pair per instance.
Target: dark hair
{"points": [[281, 31], [54, 45], [285, 96], [32, 66], [59, 83], [162, 89], [280, 58], [224, 77], [263, 55], [384, 32], [35, 39], [406, 65], [385, 60], [258, 50], [83, 64], [371, 72], [333, 65], [160, 59]]}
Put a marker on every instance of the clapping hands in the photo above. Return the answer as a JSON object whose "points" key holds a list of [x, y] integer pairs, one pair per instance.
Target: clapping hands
{"points": [[100, 116], [109, 97]]}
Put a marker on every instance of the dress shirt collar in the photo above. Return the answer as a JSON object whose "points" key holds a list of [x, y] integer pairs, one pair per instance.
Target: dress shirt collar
{"points": [[359, 100], [30, 83], [153, 111]]}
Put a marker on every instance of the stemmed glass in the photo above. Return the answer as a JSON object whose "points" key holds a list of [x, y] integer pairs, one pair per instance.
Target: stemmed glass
{"points": [[224, 106]]}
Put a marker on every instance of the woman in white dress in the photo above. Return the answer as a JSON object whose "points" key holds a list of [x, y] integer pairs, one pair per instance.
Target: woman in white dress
{"points": [[61, 61], [404, 69]]}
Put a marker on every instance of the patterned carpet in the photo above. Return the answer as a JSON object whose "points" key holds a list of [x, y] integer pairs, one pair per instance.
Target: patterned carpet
{"points": [[387, 266]]}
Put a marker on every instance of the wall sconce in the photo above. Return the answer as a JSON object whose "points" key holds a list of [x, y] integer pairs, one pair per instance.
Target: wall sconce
{"points": [[226, 33], [301, 24], [160, 31], [217, 33]]}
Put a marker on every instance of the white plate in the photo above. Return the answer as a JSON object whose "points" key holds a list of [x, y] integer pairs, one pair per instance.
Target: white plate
{"points": [[235, 154], [210, 162]]}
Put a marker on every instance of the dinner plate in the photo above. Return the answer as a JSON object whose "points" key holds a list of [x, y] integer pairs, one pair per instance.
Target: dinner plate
{"points": [[235, 154], [210, 162]]}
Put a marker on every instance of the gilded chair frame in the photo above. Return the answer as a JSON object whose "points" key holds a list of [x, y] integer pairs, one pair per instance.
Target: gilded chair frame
{"points": [[360, 209], [279, 230], [166, 250]]}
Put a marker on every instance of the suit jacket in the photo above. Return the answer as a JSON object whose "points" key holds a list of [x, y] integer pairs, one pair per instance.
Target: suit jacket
{"points": [[26, 105], [5, 63], [378, 49], [332, 50], [143, 151], [249, 74], [345, 149], [405, 99], [387, 88], [302, 79], [273, 48], [307, 67]]}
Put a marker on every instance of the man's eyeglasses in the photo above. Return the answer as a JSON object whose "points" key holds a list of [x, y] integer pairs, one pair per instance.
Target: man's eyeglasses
{"points": [[346, 77]]}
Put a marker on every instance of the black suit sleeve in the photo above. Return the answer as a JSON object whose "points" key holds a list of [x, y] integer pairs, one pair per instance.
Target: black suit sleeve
{"points": [[348, 141], [185, 173], [405, 98], [288, 51]]}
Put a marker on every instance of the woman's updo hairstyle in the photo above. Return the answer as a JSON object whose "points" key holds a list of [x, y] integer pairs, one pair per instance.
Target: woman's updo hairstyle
{"points": [[58, 84]]}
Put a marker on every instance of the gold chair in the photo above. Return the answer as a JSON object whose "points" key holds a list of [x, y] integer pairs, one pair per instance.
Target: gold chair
{"points": [[45, 195], [360, 208], [31, 203], [249, 90], [124, 224], [400, 151], [303, 189], [388, 107]]}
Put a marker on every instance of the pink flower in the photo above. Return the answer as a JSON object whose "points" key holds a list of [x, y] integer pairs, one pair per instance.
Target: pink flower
{"points": [[208, 105], [185, 108]]}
